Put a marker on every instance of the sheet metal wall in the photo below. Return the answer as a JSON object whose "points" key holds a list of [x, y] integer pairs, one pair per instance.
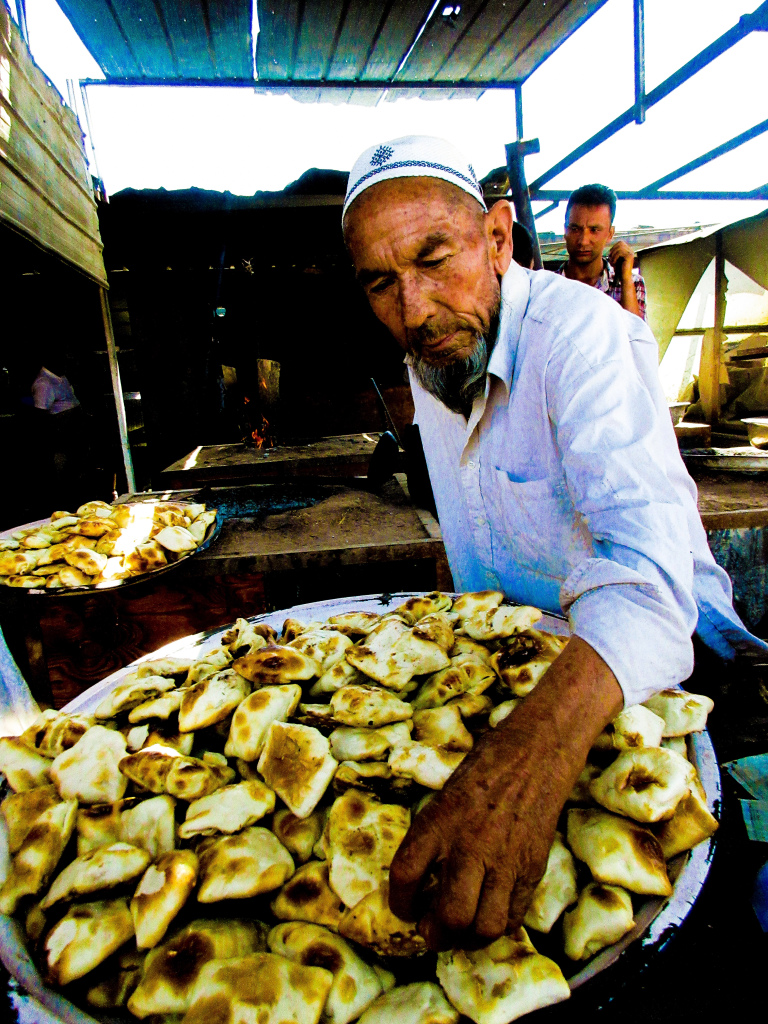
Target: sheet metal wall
{"points": [[45, 188]]}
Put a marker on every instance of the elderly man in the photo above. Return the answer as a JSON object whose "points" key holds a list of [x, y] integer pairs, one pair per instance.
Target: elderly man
{"points": [[557, 479], [588, 231]]}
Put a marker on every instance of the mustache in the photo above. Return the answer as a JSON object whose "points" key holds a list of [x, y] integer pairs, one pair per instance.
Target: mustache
{"points": [[429, 333]]}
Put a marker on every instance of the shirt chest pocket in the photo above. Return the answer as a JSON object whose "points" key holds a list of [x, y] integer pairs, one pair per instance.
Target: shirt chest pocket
{"points": [[538, 527]]}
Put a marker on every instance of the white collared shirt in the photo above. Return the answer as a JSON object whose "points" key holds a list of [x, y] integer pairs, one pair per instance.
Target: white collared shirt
{"points": [[566, 489]]}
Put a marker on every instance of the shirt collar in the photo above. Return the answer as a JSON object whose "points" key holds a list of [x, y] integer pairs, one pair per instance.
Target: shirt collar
{"points": [[515, 293]]}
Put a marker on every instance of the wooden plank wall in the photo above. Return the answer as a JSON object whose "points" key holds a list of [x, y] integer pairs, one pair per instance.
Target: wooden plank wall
{"points": [[45, 187]]}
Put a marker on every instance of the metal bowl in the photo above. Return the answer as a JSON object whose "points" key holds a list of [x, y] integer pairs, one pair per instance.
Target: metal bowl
{"points": [[757, 428], [655, 919]]}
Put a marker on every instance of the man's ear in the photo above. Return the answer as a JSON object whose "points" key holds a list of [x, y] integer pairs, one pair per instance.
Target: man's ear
{"points": [[613, 232], [498, 227]]}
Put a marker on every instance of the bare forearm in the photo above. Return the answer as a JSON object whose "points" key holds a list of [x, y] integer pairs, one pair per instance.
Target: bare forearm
{"points": [[572, 704]]}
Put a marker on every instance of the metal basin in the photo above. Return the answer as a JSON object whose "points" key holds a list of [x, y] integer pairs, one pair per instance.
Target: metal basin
{"points": [[655, 918]]}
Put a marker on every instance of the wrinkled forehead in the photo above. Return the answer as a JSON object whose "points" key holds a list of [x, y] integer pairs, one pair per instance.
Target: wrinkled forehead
{"points": [[422, 197]]}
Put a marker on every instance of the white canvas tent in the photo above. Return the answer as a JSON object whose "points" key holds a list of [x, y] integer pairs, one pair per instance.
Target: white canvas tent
{"points": [[672, 272]]}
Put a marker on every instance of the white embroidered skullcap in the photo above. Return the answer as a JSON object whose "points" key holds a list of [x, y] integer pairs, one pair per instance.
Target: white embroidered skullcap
{"points": [[413, 156]]}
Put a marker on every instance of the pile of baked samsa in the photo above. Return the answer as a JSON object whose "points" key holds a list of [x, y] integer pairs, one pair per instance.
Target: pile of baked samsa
{"points": [[100, 544], [285, 772]]}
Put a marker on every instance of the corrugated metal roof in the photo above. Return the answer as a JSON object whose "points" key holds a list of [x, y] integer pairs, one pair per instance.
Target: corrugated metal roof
{"points": [[166, 39], [367, 45]]}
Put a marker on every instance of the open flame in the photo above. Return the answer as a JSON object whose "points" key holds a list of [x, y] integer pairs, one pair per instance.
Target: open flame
{"points": [[261, 435]]}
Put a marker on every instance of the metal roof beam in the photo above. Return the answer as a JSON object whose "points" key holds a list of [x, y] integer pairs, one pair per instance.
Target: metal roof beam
{"points": [[713, 154], [757, 21], [551, 195], [306, 83]]}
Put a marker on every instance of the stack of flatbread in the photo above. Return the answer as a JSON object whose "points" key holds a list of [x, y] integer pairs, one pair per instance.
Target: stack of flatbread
{"points": [[214, 841], [100, 545]]}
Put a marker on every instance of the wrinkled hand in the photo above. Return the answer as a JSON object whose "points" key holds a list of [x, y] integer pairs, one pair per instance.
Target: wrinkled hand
{"points": [[488, 833], [620, 251]]}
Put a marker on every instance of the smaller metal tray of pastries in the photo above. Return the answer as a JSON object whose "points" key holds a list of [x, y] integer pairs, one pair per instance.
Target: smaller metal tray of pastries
{"points": [[100, 546]]}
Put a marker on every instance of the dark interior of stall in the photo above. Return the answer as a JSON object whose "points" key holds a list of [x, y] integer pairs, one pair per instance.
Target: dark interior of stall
{"points": [[52, 317], [204, 284]]}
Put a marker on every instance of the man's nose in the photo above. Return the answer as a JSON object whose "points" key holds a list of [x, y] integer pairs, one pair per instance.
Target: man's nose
{"points": [[415, 305]]}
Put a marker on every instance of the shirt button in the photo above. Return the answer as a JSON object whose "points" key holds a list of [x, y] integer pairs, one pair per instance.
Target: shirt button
{"points": [[481, 521], [471, 464]]}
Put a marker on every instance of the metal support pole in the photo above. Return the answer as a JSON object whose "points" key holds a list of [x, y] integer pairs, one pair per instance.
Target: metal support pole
{"points": [[639, 33], [87, 112], [117, 389], [21, 18], [516, 151], [519, 110], [711, 351]]}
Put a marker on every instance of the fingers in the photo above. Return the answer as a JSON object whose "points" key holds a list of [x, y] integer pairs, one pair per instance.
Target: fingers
{"points": [[460, 886], [520, 901], [411, 863], [493, 912]]}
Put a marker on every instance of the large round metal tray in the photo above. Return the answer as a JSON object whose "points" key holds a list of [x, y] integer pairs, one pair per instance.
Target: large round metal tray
{"points": [[109, 585], [656, 919]]}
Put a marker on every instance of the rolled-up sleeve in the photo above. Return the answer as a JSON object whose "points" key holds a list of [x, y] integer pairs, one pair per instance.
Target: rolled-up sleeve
{"points": [[632, 601]]}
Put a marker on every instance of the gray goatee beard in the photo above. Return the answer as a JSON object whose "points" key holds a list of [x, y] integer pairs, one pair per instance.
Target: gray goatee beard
{"points": [[458, 384]]}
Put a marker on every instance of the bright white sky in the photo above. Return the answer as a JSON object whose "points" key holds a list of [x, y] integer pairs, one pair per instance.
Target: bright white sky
{"points": [[232, 139]]}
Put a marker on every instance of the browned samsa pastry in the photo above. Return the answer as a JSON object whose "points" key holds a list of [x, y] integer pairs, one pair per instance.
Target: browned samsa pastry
{"points": [[163, 890], [421, 1002], [501, 982], [372, 924], [427, 765], [134, 690], [38, 855], [23, 767], [99, 825], [355, 984], [228, 810], [249, 863], [89, 771], [172, 968], [618, 851], [273, 665], [103, 868], [253, 717], [21, 810], [523, 659], [691, 823], [682, 712], [501, 622], [298, 835], [645, 784], [368, 707], [415, 608], [85, 937], [360, 840], [296, 763], [308, 896], [259, 989], [151, 825], [556, 890], [602, 916], [442, 727], [53, 732], [212, 700]]}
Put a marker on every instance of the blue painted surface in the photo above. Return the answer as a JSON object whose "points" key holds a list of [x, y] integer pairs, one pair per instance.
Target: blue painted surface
{"points": [[743, 553]]}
